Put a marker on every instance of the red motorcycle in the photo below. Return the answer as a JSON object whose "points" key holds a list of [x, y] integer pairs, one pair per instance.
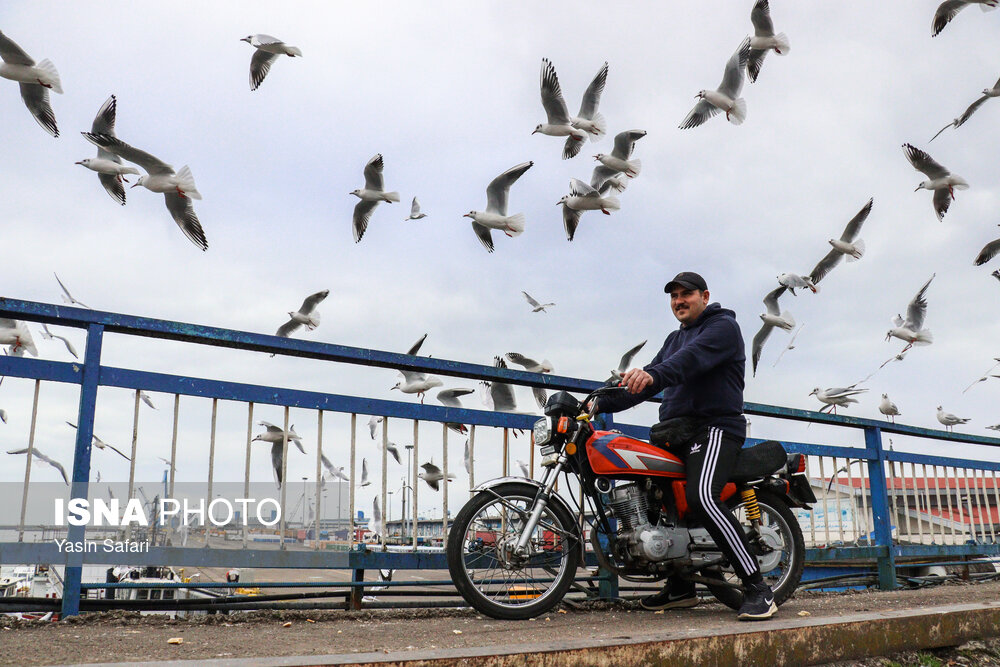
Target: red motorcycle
{"points": [[514, 548]]}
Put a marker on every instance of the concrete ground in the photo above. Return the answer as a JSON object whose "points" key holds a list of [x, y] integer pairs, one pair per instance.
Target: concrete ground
{"points": [[396, 634]]}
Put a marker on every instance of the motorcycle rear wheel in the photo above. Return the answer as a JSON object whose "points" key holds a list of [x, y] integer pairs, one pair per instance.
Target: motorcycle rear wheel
{"points": [[490, 576], [785, 576]]}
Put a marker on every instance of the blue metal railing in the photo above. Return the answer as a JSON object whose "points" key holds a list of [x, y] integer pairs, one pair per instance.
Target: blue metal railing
{"points": [[90, 375]]}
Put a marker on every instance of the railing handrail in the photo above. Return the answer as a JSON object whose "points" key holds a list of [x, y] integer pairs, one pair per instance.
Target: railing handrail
{"points": [[220, 337]]}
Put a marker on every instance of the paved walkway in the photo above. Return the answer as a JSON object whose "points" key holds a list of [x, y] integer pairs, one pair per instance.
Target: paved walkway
{"points": [[441, 637]]}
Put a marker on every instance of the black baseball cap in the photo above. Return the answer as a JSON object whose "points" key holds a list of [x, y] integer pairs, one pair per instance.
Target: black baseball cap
{"points": [[687, 280]]}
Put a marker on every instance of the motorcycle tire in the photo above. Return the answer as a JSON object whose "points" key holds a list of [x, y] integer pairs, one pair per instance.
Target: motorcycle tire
{"points": [[484, 572], [773, 510]]}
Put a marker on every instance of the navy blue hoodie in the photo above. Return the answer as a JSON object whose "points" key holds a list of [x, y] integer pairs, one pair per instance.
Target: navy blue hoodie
{"points": [[700, 370]]}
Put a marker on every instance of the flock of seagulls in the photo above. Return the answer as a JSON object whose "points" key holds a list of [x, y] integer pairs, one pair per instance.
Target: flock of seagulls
{"points": [[610, 176]]}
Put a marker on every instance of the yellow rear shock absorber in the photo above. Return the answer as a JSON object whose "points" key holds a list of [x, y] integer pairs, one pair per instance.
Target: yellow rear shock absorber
{"points": [[752, 508]]}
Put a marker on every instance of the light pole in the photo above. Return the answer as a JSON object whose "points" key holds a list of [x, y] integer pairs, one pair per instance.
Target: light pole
{"points": [[388, 509], [304, 501], [409, 450]]}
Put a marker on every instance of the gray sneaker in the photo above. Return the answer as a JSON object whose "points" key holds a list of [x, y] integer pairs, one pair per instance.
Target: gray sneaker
{"points": [[758, 603], [671, 598]]}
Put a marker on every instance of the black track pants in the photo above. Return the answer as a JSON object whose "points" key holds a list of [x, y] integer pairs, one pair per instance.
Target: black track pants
{"points": [[710, 460]]}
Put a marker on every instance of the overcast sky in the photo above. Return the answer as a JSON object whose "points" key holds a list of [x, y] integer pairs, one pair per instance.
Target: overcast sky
{"points": [[448, 93]]}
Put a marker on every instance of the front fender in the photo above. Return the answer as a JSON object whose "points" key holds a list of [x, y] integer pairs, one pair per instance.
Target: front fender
{"points": [[554, 498]]}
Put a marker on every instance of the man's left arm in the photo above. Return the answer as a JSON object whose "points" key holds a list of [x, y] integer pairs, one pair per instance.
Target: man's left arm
{"points": [[718, 342]]}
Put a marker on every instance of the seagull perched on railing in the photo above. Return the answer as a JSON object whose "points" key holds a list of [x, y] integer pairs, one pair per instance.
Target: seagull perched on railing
{"points": [[949, 420], [834, 396], [888, 408]]}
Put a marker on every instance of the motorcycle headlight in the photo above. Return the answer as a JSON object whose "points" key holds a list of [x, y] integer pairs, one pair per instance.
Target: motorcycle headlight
{"points": [[542, 431]]}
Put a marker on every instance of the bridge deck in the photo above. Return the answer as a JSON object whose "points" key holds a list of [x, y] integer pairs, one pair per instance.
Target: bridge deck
{"points": [[834, 627]]}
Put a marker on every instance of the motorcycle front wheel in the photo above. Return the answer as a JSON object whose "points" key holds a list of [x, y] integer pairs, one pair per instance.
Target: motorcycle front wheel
{"points": [[778, 545], [486, 566]]}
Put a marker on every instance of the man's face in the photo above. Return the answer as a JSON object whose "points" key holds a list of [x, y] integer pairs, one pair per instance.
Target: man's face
{"points": [[688, 304]]}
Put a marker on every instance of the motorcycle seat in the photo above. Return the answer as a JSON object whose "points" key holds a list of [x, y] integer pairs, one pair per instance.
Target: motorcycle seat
{"points": [[758, 461]]}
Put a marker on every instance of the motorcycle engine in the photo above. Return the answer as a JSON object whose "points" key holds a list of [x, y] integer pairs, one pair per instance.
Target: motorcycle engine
{"points": [[636, 535]]}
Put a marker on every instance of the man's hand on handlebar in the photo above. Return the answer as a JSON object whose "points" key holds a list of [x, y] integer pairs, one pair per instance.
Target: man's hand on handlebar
{"points": [[636, 379]]}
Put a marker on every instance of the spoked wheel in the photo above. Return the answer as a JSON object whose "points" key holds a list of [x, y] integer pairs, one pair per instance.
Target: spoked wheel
{"points": [[777, 544], [491, 573]]}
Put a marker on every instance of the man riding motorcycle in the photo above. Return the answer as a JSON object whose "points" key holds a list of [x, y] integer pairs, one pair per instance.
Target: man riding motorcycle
{"points": [[700, 370]]}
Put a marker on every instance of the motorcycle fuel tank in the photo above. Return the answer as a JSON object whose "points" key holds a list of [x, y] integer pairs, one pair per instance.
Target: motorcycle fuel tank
{"points": [[613, 454]]}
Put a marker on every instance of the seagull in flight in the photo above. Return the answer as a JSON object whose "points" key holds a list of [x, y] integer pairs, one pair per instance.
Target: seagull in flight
{"points": [[48, 335], [834, 396], [946, 12], [415, 213], [67, 297], [416, 382], [267, 51], [433, 475], [583, 197], [45, 459], [495, 216], [958, 122], [110, 170], [364, 473], [532, 366], [763, 39], [16, 334], [370, 196], [618, 162], [772, 318], [535, 306], [790, 346], [306, 315], [588, 118], [449, 398], [794, 281], [911, 329], [373, 423], [726, 96], [623, 365], [499, 396], [275, 434], [940, 180], [848, 245], [558, 122], [988, 252], [100, 444], [334, 471], [35, 79], [178, 188]]}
